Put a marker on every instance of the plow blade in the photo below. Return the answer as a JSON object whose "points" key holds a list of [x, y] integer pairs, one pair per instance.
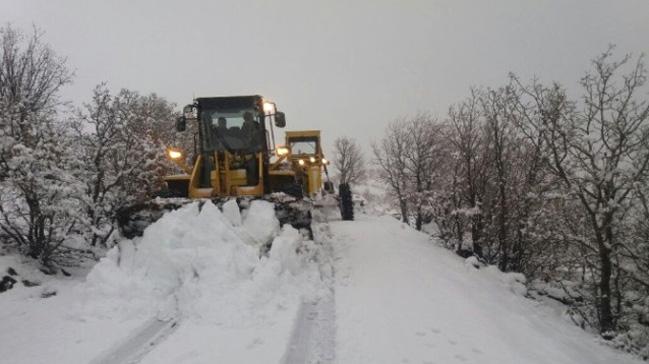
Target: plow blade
{"points": [[133, 220]]}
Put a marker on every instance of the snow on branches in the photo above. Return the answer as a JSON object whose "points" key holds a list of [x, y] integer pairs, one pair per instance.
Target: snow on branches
{"points": [[527, 179], [64, 174]]}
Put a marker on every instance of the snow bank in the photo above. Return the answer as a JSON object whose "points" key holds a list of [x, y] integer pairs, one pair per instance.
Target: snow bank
{"points": [[472, 262], [192, 260], [232, 212], [260, 222], [198, 266], [177, 249], [204, 267]]}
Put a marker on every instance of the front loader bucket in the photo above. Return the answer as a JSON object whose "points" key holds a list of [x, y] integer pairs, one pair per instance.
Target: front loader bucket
{"points": [[133, 220]]}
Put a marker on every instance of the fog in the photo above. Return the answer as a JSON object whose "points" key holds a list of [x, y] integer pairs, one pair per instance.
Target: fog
{"points": [[347, 68]]}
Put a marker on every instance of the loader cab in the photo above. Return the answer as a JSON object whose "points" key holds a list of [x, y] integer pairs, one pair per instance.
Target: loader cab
{"points": [[304, 145], [233, 145], [307, 158], [234, 124]]}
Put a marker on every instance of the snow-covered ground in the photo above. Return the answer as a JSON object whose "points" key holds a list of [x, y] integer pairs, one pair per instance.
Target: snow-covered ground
{"points": [[195, 289], [402, 299]]}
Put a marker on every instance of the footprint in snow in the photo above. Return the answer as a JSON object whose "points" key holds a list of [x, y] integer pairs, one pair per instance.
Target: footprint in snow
{"points": [[435, 330], [477, 351], [452, 342], [460, 357], [254, 343], [420, 333]]}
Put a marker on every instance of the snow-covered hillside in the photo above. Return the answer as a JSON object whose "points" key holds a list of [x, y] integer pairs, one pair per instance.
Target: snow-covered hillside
{"points": [[195, 289]]}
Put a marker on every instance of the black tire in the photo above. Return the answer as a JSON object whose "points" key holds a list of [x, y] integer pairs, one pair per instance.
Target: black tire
{"points": [[346, 203], [329, 187]]}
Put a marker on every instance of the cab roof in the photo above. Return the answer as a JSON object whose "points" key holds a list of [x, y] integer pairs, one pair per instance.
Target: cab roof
{"points": [[303, 133], [230, 102]]}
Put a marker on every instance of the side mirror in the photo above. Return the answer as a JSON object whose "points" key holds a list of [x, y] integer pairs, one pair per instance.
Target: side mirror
{"points": [[181, 124], [280, 119]]}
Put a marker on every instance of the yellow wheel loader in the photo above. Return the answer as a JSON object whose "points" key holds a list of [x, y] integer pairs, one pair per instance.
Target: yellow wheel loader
{"points": [[236, 157]]}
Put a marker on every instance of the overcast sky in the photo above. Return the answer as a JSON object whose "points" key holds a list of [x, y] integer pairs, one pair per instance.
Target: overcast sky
{"points": [[346, 67]]}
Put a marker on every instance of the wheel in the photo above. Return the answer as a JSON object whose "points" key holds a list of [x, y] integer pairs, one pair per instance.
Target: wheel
{"points": [[346, 203], [329, 187]]}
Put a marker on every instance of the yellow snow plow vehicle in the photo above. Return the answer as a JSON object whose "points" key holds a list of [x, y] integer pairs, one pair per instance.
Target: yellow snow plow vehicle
{"points": [[236, 156]]}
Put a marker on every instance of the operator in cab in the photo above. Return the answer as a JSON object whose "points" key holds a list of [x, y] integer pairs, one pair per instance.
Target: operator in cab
{"points": [[251, 131]]}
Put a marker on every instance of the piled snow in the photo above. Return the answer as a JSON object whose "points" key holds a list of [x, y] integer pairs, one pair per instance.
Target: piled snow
{"points": [[232, 213], [472, 262], [195, 260], [399, 298], [260, 222], [184, 247], [246, 311], [198, 266]]}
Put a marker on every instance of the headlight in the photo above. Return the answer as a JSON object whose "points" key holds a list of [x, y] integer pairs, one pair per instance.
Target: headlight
{"points": [[325, 161], [282, 151], [174, 154], [312, 159], [269, 108], [300, 162]]}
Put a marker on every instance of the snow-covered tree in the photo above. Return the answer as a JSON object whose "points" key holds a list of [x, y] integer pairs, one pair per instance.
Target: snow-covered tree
{"points": [[348, 161], [122, 139], [601, 154], [466, 138], [408, 159], [390, 158], [38, 196]]}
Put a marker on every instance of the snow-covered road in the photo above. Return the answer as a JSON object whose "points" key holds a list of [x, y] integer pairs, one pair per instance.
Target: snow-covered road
{"points": [[402, 299], [192, 290]]}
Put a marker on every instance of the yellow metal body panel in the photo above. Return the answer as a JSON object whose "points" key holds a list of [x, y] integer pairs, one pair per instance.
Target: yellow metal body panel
{"points": [[223, 180], [302, 133], [314, 174], [311, 172], [226, 182]]}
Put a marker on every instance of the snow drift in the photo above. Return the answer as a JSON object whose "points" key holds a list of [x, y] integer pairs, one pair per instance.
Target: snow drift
{"points": [[200, 263], [208, 272]]}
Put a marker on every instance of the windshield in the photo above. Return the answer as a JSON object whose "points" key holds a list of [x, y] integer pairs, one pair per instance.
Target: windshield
{"points": [[303, 146], [233, 130]]}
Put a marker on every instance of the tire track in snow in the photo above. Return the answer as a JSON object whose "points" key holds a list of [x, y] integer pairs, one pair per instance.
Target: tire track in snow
{"points": [[134, 347], [313, 339], [140, 342]]}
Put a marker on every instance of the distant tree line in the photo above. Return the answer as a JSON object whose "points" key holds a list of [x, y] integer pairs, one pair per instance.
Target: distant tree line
{"points": [[528, 179], [65, 170]]}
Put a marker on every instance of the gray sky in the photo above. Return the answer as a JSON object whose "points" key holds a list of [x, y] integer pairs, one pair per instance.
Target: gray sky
{"points": [[346, 67]]}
